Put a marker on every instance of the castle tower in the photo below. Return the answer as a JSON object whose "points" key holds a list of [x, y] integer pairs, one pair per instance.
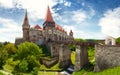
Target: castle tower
{"points": [[49, 22], [49, 25], [26, 28]]}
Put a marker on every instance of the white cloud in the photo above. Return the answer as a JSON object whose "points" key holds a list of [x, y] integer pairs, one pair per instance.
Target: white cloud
{"points": [[110, 22], [68, 4], [9, 30], [36, 9], [79, 16], [76, 17], [7, 3]]}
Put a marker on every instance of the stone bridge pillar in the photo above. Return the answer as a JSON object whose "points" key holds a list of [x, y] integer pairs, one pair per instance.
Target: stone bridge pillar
{"points": [[81, 57], [64, 55]]}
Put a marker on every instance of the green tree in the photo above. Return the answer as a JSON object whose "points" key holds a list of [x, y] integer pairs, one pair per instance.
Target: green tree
{"points": [[35, 71], [11, 49], [23, 66], [80, 40], [10, 64], [29, 52], [118, 40], [32, 62], [3, 57], [26, 49], [72, 47]]}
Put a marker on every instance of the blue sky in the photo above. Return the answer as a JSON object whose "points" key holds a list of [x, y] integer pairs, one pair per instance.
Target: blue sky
{"points": [[89, 19]]}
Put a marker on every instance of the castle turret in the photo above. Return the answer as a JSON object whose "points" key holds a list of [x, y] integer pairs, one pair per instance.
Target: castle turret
{"points": [[26, 28], [49, 22], [71, 33]]}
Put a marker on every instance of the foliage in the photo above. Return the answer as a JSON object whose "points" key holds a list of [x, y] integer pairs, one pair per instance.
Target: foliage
{"points": [[118, 40], [3, 57], [91, 54], [1, 73], [35, 71], [23, 66], [80, 40], [72, 47], [29, 55], [45, 50], [11, 49], [32, 62], [10, 65], [26, 49]]}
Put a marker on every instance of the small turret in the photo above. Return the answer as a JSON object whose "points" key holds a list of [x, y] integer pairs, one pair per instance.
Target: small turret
{"points": [[26, 28], [71, 33]]}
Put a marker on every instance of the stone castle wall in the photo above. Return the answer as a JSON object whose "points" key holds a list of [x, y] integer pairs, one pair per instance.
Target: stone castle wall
{"points": [[106, 56]]}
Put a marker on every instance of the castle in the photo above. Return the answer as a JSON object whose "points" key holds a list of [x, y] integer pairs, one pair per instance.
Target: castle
{"points": [[56, 38], [50, 31]]}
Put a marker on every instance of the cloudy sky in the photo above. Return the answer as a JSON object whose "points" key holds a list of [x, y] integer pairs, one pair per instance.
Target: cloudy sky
{"points": [[89, 19]]}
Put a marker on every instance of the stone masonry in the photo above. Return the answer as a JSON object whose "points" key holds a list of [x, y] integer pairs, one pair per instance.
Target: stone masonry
{"points": [[106, 56], [81, 57]]}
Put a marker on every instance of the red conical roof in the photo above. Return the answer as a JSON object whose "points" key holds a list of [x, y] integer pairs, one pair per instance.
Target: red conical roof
{"points": [[48, 17], [37, 27], [26, 22]]}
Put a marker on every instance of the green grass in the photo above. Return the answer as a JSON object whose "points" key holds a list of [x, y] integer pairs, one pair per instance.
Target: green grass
{"points": [[73, 57], [91, 55], [47, 73], [55, 67], [111, 71], [43, 73], [1, 73]]}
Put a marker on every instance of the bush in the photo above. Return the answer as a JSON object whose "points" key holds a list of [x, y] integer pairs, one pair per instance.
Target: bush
{"points": [[35, 71], [3, 57], [23, 66]]}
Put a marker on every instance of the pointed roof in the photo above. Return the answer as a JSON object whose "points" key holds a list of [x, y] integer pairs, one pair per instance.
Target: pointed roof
{"points": [[26, 22], [49, 17], [37, 27]]}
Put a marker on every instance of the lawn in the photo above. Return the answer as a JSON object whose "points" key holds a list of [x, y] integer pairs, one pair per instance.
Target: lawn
{"points": [[111, 71], [1, 73], [47, 73], [55, 67]]}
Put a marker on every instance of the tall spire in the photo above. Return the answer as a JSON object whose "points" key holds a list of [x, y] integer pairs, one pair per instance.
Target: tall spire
{"points": [[48, 17], [26, 22]]}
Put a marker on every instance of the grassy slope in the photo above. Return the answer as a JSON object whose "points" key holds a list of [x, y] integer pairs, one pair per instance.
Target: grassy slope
{"points": [[112, 71], [55, 67]]}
